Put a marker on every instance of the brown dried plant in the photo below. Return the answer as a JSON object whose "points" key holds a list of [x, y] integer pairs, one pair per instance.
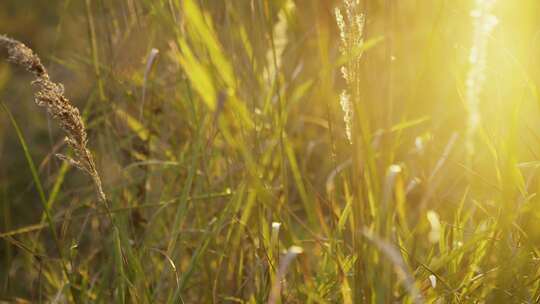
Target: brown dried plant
{"points": [[51, 96]]}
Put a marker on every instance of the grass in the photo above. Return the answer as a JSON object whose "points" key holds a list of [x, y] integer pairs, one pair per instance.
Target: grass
{"points": [[242, 165]]}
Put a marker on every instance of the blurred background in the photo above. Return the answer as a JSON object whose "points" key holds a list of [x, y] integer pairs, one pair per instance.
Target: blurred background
{"points": [[166, 144]]}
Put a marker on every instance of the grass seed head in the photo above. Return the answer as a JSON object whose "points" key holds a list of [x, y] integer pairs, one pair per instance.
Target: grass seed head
{"points": [[50, 95]]}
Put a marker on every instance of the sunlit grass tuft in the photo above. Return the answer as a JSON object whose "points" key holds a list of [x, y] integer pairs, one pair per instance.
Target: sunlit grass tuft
{"points": [[272, 152]]}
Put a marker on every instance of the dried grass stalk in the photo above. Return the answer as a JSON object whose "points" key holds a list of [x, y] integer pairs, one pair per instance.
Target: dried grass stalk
{"points": [[51, 96], [351, 33]]}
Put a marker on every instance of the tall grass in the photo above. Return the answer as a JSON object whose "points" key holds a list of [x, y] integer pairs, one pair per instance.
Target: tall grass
{"points": [[272, 152]]}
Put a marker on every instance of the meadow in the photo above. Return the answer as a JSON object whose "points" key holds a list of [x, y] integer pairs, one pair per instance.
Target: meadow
{"points": [[269, 151]]}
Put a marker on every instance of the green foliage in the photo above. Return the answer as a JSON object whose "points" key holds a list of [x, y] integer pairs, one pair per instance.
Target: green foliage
{"points": [[239, 154]]}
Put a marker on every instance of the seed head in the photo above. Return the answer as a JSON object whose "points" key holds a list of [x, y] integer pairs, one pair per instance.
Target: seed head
{"points": [[50, 95]]}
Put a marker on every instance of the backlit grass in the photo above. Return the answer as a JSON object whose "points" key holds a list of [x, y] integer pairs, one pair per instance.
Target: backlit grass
{"points": [[273, 151]]}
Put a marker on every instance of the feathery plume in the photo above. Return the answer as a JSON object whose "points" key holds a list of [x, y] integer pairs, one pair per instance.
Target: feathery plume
{"points": [[483, 23], [346, 106], [50, 95], [351, 34]]}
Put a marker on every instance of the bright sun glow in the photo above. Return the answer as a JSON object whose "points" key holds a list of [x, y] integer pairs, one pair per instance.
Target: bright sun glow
{"points": [[270, 151]]}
